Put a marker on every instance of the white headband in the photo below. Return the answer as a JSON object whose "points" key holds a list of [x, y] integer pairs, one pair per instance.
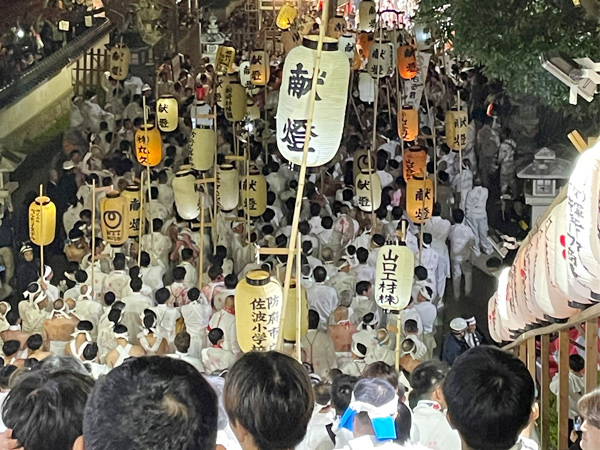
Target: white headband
{"points": [[88, 338], [124, 335]]}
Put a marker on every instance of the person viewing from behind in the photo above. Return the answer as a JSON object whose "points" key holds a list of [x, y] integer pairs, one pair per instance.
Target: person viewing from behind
{"points": [[589, 408]]}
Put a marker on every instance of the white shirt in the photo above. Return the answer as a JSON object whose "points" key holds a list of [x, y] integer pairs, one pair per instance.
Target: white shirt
{"points": [[475, 203], [364, 272], [191, 275], [318, 350], [226, 322], [217, 359], [166, 318], [434, 429], [428, 313], [189, 359], [153, 276], [323, 299], [462, 241]]}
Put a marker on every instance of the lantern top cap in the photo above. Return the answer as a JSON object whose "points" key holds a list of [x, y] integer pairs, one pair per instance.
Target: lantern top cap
{"points": [[146, 127], [133, 188], [226, 166], [68, 165], [42, 200], [329, 43], [258, 277], [167, 96], [113, 194]]}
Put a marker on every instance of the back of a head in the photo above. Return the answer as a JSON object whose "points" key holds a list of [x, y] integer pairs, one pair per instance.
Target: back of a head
{"points": [[341, 392], [426, 378], [320, 274], [215, 335], [489, 394], [5, 374], [12, 317], [403, 424], [119, 261], [34, 342], [313, 319], [144, 259], [161, 296], [458, 215], [179, 273], [136, 284], [171, 400], [81, 276], [269, 395], [10, 348], [90, 351], [379, 369], [374, 391], [421, 273], [362, 254], [182, 342]]}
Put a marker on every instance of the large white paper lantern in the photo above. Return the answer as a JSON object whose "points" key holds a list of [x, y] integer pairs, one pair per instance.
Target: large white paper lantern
{"points": [[187, 198], [227, 187], [203, 145], [394, 277], [379, 64], [330, 104], [368, 190]]}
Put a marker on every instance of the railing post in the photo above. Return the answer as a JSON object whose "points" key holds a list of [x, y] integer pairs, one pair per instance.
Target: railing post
{"points": [[563, 389], [545, 392], [531, 357], [591, 354], [522, 352]]}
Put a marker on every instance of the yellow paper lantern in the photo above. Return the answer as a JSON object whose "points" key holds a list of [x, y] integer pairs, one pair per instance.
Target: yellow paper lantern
{"points": [[132, 195], [306, 24], [226, 186], [203, 145], [254, 193], [286, 16], [379, 64], [336, 27], [222, 84], [419, 198], [235, 102], [42, 221], [367, 15], [258, 305], [114, 218], [456, 129], [167, 113], [225, 59], [260, 68], [148, 145], [187, 198], [366, 186], [119, 60], [252, 110], [407, 62], [394, 277], [408, 123], [414, 162], [289, 327]]}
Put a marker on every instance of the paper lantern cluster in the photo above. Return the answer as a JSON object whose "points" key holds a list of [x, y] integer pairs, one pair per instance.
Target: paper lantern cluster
{"points": [[148, 145], [394, 277], [42, 221], [119, 60], [114, 218]]}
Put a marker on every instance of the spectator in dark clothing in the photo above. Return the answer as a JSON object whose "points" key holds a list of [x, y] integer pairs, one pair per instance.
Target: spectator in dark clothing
{"points": [[455, 344]]}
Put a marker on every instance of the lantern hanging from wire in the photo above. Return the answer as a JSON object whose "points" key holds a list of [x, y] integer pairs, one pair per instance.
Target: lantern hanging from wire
{"points": [[380, 59], [187, 198], [167, 113], [414, 162], [114, 218], [419, 198], [254, 193], [407, 62], [235, 102], [394, 277], [408, 123], [134, 202], [368, 190], [118, 66], [203, 145], [42, 221], [456, 129], [148, 145], [227, 187], [286, 16], [224, 59], [260, 68]]}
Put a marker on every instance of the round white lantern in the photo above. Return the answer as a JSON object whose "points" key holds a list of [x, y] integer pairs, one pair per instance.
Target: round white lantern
{"points": [[187, 199], [226, 185], [203, 144], [379, 64], [368, 187]]}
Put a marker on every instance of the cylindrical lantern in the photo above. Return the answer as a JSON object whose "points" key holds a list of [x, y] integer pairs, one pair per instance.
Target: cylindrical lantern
{"points": [[260, 68], [380, 59], [366, 87], [226, 186], [258, 305], [254, 193], [222, 86], [167, 113], [225, 59], [414, 162], [290, 40], [330, 104], [114, 218], [408, 123], [290, 325], [245, 75], [347, 45], [42, 221], [364, 188], [286, 16], [235, 102], [360, 162], [407, 62], [456, 129], [336, 27], [367, 15], [148, 145], [132, 195], [120, 56], [203, 145], [187, 198], [419, 198], [394, 277]]}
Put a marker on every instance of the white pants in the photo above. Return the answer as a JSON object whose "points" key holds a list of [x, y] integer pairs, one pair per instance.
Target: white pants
{"points": [[480, 228], [461, 267]]}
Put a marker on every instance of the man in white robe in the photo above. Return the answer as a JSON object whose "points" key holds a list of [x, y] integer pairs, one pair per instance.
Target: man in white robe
{"points": [[322, 298], [225, 320], [317, 348], [476, 215]]}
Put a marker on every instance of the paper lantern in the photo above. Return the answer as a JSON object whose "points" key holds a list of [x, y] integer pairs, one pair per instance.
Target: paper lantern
{"points": [[367, 15], [167, 113], [394, 277], [493, 321], [336, 27], [330, 104], [132, 195], [286, 16], [290, 325], [366, 87], [258, 305], [414, 162], [360, 162], [254, 193], [245, 75], [226, 186], [363, 45], [235, 102], [456, 129], [203, 145], [366, 184], [290, 40], [187, 198], [380, 59], [260, 68], [502, 305], [306, 24], [407, 62], [222, 84], [148, 145], [118, 65], [394, 61], [408, 123], [114, 218], [224, 59], [347, 45], [419, 198], [42, 221]]}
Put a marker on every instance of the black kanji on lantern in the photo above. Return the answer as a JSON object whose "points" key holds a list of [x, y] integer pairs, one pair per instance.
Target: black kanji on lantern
{"points": [[300, 83], [295, 135]]}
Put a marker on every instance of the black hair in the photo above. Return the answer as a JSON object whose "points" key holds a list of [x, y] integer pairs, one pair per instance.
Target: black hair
{"points": [[341, 392], [179, 273], [421, 273], [90, 351], [161, 296], [5, 374], [81, 276], [109, 298], [12, 317], [458, 215], [182, 341], [215, 335], [362, 287], [119, 261], [11, 347], [425, 378], [576, 363], [187, 254], [193, 294], [85, 325], [136, 284], [230, 281], [411, 326], [320, 274], [362, 254], [313, 319], [378, 239], [327, 222], [403, 424], [379, 369], [144, 259], [34, 342]]}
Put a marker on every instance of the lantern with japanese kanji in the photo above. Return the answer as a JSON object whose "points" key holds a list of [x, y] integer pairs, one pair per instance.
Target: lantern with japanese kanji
{"points": [[360, 161], [234, 103], [419, 198], [368, 190], [167, 113], [407, 62], [187, 198], [114, 218], [148, 145], [226, 185], [254, 193], [367, 15], [294, 98], [336, 27], [456, 129], [225, 59], [134, 202], [290, 40], [347, 45], [394, 277], [260, 68], [119, 59], [290, 325], [414, 162], [258, 306], [42, 221], [380, 59], [286, 16], [203, 145], [408, 123], [222, 84]]}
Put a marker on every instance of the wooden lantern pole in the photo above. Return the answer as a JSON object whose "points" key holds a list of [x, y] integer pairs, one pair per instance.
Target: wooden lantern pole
{"points": [[142, 220], [298, 299], [398, 319], [42, 271], [94, 234], [374, 141], [460, 163], [148, 176], [434, 137], [201, 256]]}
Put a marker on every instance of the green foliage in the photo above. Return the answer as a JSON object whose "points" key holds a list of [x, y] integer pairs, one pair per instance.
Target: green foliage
{"points": [[507, 37]]}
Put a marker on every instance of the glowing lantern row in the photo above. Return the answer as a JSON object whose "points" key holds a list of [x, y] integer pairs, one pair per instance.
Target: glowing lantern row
{"points": [[134, 201], [227, 187], [234, 103], [290, 40], [260, 68], [408, 124], [254, 193], [419, 199], [368, 185], [347, 45], [258, 306], [225, 59], [367, 15], [456, 129], [118, 66], [114, 218], [294, 98], [407, 62], [187, 198], [203, 144], [414, 162], [167, 113], [148, 145], [336, 27], [379, 64], [42, 221], [286, 16], [394, 277], [290, 325]]}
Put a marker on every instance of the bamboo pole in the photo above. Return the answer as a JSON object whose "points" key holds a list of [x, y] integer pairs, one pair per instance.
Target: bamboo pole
{"points": [[93, 256], [591, 355], [545, 392], [563, 389], [201, 256], [42, 268], [142, 220], [374, 141], [398, 319], [460, 163], [148, 176], [298, 299], [434, 136]]}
